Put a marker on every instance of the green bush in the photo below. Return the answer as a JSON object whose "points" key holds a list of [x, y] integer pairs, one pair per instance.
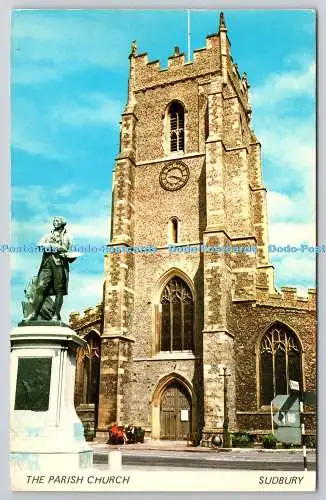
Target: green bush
{"points": [[88, 433], [242, 440], [90, 436], [86, 428], [269, 441], [311, 441], [288, 446]]}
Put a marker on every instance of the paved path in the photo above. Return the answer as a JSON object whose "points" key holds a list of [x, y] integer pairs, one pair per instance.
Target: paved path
{"points": [[181, 446], [183, 458]]}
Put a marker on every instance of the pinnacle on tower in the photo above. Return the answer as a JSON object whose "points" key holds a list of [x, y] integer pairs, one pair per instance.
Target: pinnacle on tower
{"points": [[245, 79], [133, 51], [222, 22]]}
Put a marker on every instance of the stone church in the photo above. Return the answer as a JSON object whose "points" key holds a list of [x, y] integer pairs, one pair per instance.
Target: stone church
{"points": [[191, 330]]}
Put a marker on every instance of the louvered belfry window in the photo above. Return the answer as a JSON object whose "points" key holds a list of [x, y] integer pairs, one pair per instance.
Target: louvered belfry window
{"points": [[280, 360], [176, 113], [177, 317]]}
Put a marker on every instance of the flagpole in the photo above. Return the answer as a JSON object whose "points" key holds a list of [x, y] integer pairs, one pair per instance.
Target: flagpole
{"points": [[188, 35]]}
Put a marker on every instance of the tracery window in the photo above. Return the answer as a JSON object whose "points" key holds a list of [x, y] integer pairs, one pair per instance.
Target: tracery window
{"points": [[177, 316], [91, 369], [177, 133], [280, 361]]}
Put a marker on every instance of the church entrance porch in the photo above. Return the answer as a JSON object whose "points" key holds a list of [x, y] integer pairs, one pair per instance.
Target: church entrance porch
{"points": [[175, 413]]}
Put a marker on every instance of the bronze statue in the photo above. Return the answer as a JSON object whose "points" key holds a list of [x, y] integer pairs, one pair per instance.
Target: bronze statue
{"points": [[47, 310], [53, 276]]}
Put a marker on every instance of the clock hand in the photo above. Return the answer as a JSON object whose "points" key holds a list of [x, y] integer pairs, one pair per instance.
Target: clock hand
{"points": [[174, 177]]}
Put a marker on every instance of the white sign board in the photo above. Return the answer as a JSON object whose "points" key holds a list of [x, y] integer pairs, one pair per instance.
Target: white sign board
{"points": [[291, 417], [184, 417], [294, 385]]}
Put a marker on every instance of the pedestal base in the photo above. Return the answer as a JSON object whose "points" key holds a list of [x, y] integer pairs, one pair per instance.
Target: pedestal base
{"points": [[46, 432], [50, 462]]}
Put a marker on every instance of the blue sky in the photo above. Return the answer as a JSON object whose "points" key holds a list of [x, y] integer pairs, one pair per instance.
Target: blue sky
{"points": [[69, 87]]}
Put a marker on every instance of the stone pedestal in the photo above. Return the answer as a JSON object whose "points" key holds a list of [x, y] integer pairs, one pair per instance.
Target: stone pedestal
{"points": [[46, 433]]}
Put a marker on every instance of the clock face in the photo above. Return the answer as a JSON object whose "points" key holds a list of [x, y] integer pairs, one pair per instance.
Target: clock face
{"points": [[174, 176]]}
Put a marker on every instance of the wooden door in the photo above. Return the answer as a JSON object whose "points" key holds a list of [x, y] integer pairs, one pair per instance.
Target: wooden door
{"points": [[173, 401]]}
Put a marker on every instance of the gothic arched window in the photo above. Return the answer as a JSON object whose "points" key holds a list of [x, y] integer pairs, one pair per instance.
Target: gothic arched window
{"points": [[91, 369], [280, 361], [177, 133], [177, 317]]}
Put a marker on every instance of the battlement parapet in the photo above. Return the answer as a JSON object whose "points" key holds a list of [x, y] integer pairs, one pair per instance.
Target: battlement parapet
{"points": [[147, 74], [79, 320], [289, 297]]}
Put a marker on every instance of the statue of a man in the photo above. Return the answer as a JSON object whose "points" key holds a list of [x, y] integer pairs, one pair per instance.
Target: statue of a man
{"points": [[53, 275]]}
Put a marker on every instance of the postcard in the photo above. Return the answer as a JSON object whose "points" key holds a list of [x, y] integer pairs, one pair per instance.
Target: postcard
{"points": [[163, 250]]}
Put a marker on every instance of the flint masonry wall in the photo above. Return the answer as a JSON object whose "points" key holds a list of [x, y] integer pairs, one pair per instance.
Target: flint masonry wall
{"points": [[223, 203], [250, 321]]}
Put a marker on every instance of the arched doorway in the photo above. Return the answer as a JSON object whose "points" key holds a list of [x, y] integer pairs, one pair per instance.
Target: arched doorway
{"points": [[175, 412]]}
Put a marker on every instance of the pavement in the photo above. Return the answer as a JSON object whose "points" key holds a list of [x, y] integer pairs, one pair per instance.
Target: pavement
{"points": [[163, 455], [183, 446]]}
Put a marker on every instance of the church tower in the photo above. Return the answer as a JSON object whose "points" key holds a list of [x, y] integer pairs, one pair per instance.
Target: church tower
{"points": [[189, 289], [187, 178]]}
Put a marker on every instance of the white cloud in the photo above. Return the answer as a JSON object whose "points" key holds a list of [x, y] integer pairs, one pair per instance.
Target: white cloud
{"points": [[23, 263], [288, 145], [280, 87], [299, 207], [55, 45], [284, 233], [30, 130], [85, 290], [36, 129], [91, 228], [295, 269], [33, 74], [24, 139], [279, 205], [87, 213], [95, 109], [287, 134], [65, 190]]}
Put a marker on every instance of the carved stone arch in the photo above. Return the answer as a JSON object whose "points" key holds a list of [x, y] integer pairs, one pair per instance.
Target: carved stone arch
{"points": [[86, 351], [172, 101], [163, 384], [275, 323], [165, 278], [92, 331], [165, 380]]}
